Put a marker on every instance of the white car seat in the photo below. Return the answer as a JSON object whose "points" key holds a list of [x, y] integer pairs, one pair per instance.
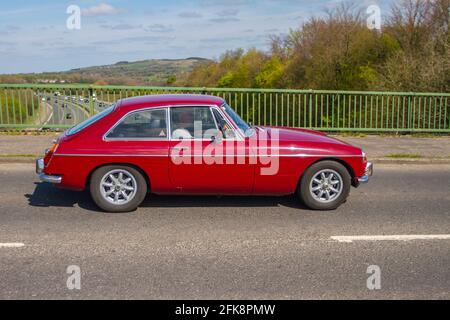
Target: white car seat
{"points": [[181, 134]]}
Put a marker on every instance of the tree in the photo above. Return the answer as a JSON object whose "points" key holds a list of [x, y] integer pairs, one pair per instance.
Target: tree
{"points": [[338, 52], [421, 28]]}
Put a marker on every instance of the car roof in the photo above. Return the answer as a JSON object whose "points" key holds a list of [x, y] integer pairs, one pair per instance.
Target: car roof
{"points": [[169, 99]]}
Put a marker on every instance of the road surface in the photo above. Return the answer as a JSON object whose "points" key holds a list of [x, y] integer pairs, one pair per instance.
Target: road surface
{"points": [[228, 248]]}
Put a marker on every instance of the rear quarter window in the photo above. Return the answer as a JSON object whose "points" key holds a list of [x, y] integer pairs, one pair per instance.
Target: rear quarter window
{"points": [[83, 125], [147, 124]]}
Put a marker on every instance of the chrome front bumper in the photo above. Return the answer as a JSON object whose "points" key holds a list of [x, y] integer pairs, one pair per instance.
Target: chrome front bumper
{"points": [[40, 166], [367, 173]]}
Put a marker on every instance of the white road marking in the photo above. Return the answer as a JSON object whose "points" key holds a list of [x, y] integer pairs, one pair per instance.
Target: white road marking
{"points": [[350, 239], [12, 245]]}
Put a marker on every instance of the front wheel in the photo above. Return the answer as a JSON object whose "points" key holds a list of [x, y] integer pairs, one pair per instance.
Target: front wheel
{"points": [[118, 188], [325, 186]]}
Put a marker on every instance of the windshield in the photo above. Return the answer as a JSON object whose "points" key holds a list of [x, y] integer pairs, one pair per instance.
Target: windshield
{"points": [[242, 125], [90, 121]]}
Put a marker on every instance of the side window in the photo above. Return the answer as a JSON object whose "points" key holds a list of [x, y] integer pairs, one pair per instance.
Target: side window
{"points": [[191, 122], [224, 127], [148, 124]]}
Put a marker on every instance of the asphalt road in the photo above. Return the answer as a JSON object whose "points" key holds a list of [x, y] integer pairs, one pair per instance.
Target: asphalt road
{"points": [[227, 248]]}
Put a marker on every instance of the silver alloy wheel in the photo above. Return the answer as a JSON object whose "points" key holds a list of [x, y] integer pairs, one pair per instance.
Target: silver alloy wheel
{"points": [[326, 186], [118, 187]]}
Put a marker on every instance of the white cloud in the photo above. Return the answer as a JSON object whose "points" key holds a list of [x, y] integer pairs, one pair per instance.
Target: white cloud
{"points": [[190, 14], [159, 28], [101, 9], [228, 13]]}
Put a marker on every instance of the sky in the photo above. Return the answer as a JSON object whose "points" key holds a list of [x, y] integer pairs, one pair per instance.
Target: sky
{"points": [[34, 36]]}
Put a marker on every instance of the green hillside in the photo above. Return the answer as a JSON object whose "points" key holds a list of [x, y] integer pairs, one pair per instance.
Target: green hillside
{"points": [[145, 72]]}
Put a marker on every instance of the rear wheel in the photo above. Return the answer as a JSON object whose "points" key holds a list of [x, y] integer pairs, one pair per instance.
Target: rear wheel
{"points": [[118, 188], [325, 186]]}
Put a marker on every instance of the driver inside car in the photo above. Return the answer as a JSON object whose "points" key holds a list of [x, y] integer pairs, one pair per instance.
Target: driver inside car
{"points": [[183, 124]]}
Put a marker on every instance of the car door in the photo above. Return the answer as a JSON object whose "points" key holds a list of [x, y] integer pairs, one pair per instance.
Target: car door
{"points": [[204, 160]]}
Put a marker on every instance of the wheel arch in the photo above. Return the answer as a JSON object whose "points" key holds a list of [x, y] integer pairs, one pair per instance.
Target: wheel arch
{"points": [[141, 171], [343, 162]]}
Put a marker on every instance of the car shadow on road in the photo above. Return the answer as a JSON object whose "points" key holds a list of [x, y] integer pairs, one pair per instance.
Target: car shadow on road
{"points": [[45, 195], [157, 201]]}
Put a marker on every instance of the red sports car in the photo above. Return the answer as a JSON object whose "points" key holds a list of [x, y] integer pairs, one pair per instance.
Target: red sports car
{"points": [[197, 145]]}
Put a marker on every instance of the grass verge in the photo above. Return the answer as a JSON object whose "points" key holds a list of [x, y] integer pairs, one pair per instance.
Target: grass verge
{"points": [[404, 156], [18, 156]]}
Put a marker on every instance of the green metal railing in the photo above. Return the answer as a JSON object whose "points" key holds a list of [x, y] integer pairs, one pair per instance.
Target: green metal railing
{"points": [[62, 106]]}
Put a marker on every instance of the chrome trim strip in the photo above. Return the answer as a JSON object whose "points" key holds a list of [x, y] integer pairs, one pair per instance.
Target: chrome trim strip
{"points": [[364, 180], [168, 123], [214, 118], [201, 155], [50, 179], [367, 174], [111, 155], [40, 166]]}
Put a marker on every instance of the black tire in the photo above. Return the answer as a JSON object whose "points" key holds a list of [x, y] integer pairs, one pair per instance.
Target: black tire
{"points": [[107, 206], [304, 188]]}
